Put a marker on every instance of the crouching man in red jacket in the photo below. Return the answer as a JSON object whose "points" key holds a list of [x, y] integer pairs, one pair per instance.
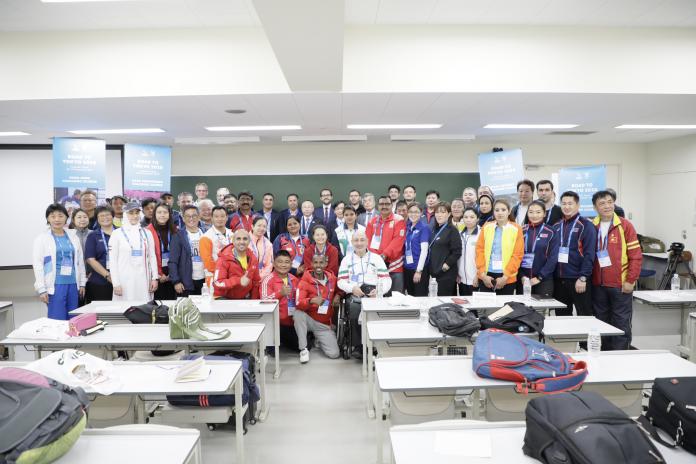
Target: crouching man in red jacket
{"points": [[316, 299]]}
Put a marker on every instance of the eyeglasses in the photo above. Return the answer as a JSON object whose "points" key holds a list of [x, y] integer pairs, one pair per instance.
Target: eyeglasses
{"points": [[190, 216], [384, 204]]}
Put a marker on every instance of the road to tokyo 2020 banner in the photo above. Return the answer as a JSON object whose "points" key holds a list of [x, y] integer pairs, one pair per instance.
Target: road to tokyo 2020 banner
{"points": [[584, 181], [501, 170], [147, 170], [78, 165]]}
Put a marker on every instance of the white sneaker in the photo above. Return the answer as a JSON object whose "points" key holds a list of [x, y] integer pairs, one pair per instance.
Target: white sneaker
{"points": [[304, 356]]}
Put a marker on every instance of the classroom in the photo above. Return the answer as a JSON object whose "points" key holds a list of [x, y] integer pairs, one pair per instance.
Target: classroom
{"points": [[273, 231]]}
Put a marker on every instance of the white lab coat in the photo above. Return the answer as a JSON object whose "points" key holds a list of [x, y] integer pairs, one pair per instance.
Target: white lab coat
{"points": [[132, 273]]}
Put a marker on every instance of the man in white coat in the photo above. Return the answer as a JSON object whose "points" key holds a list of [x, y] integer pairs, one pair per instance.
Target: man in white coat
{"points": [[132, 259]]}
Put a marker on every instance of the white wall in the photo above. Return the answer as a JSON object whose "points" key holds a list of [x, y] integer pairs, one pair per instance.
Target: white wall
{"points": [[671, 182], [626, 163]]}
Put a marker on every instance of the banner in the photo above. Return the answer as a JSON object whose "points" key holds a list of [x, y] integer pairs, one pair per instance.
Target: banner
{"points": [[501, 171], [78, 165], [147, 170], [584, 181]]}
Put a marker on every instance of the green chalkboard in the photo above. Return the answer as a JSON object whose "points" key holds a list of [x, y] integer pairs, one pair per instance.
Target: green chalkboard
{"points": [[450, 185]]}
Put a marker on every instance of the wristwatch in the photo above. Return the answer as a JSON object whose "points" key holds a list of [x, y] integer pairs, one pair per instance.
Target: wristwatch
{"points": [[582, 279]]}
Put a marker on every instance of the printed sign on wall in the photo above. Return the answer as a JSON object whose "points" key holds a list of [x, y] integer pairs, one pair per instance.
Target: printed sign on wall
{"points": [[147, 170], [501, 171], [584, 181], [78, 165]]}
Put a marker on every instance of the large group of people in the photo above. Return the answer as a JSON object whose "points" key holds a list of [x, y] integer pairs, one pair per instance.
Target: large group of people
{"points": [[310, 259]]}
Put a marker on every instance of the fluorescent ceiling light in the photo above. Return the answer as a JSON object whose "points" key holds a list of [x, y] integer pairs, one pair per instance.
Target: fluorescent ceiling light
{"points": [[530, 126], [656, 126], [11, 134], [77, 1], [394, 126], [432, 137], [252, 128], [115, 131], [324, 138], [214, 140]]}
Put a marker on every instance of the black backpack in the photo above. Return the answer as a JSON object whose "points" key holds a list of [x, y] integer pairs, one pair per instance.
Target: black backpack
{"points": [[451, 319], [522, 319], [153, 312], [672, 408], [584, 428]]}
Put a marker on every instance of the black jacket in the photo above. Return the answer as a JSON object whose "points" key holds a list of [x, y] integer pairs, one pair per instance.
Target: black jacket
{"points": [[445, 247]]}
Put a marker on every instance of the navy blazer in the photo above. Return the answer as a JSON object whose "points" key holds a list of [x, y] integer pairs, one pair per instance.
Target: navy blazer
{"points": [[319, 214], [283, 219], [180, 260]]}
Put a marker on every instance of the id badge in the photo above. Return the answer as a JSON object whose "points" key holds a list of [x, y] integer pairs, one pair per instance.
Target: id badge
{"points": [[136, 253], [291, 306], [528, 260], [409, 258], [66, 268], [603, 258], [197, 263], [165, 259], [355, 278], [296, 262], [563, 254], [376, 242], [323, 307], [108, 266], [498, 264]]}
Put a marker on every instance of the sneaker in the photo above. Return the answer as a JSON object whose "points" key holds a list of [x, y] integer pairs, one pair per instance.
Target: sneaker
{"points": [[304, 356], [357, 353]]}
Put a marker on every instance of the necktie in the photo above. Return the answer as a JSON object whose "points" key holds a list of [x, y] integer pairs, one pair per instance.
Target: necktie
{"points": [[326, 213]]}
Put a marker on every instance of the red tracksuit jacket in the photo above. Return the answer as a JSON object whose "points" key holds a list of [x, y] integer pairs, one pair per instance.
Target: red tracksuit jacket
{"points": [[270, 290], [392, 244], [624, 252], [331, 253], [229, 272], [308, 289], [240, 221]]}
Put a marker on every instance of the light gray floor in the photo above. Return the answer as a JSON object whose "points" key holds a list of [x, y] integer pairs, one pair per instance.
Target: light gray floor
{"points": [[317, 410]]}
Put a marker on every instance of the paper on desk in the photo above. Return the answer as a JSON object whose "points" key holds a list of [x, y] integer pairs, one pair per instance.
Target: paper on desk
{"points": [[461, 443], [193, 371], [399, 299]]}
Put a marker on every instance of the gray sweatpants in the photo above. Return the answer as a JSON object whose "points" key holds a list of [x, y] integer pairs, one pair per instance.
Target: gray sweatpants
{"points": [[325, 337]]}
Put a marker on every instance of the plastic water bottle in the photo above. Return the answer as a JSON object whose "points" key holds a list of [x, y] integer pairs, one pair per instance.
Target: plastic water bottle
{"points": [[676, 283], [379, 289], [527, 288], [432, 288], [205, 292], [594, 342], [207, 289]]}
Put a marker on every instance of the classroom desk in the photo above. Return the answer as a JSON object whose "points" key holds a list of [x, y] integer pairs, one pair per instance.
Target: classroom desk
{"points": [[685, 300], [458, 441], [117, 445], [6, 325], [419, 332], [692, 331], [156, 337], [433, 374], [391, 308], [249, 311], [158, 378]]}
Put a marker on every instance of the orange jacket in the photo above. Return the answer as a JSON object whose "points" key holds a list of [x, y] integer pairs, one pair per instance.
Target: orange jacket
{"points": [[512, 249]]}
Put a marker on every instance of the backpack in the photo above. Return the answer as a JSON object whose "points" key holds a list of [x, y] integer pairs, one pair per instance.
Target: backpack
{"points": [[40, 418], [534, 366], [672, 408], [584, 428], [451, 319], [185, 322], [153, 312], [516, 318]]}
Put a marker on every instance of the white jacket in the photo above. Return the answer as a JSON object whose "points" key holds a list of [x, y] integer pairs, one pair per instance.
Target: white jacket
{"points": [[467, 262], [132, 274], [44, 262]]}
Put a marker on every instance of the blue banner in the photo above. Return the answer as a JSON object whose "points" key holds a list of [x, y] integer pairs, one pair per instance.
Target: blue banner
{"points": [[147, 170], [78, 165], [584, 181], [501, 170]]}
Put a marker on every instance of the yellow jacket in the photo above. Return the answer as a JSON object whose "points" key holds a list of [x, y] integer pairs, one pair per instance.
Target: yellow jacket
{"points": [[513, 249]]}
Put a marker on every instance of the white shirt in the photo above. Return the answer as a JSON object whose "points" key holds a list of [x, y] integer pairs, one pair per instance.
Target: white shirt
{"points": [[195, 240], [521, 213]]}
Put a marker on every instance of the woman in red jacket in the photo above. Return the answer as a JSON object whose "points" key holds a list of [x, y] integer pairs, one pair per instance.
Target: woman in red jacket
{"points": [[320, 246]]}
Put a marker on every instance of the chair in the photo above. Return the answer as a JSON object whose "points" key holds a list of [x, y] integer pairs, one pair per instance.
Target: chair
{"points": [[644, 274]]}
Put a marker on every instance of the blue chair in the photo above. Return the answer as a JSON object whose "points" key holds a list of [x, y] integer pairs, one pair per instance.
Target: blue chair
{"points": [[645, 273]]}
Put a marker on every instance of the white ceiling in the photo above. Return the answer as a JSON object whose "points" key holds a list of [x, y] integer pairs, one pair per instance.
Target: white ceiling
{"points": [[328, 113], [33, 15]]}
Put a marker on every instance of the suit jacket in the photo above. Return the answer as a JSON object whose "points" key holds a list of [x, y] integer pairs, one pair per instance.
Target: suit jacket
{"points": [[359, 210], [306, 231], [363, 220], [273, 224], [283, 218], [326, 220]]}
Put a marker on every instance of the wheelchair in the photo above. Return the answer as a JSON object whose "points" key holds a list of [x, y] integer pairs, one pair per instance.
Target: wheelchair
{"points": [[343, 325]]}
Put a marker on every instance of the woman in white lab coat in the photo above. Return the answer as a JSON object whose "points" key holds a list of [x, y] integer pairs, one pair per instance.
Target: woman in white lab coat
{"points": [[133, 259]]}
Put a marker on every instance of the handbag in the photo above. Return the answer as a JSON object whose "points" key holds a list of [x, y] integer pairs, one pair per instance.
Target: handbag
{"points": [[153, 312], [185, 322], [515, 317], [451, 319], [81, 324]]}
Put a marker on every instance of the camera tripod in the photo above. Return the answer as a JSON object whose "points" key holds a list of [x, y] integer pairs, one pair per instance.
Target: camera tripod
{"points": [[675, 256]]}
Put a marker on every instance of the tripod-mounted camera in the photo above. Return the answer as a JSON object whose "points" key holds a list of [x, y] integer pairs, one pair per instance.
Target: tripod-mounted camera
{"points": [[676, 255]]}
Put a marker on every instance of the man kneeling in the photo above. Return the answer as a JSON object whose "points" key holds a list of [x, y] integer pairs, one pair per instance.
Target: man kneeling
{"points": [[315, 301]]}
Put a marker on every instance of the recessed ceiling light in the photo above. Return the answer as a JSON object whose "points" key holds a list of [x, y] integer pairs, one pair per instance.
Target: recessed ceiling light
{"points": [[78, 1], [530, 126], [394, 126], [233, 111], [252, 128], [11, 134], [215, 140], [656, 126], [115, 131], [324, 138]]}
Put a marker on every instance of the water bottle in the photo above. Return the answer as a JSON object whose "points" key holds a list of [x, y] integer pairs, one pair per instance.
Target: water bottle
{"points": [[379, 289], [594, 342], [207, 289], [432, 288], [676, 283], [527, 288], [205, 292]]}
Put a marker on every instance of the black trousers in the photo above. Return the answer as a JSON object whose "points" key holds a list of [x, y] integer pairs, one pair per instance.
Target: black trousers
{"points": [[508, 289], [614, 307], [165, 291], [544, 288], [447, 285], [564, 291], [468, 290], [416, 289], [197, 286], [96, 292], [354, 308]]}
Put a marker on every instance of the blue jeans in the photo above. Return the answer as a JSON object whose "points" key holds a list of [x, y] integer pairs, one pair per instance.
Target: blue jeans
{"points": [[64, 300]]}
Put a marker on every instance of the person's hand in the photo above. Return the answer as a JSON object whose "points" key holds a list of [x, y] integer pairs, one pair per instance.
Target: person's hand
{"points": [[108, 277], [500, 282], [300, 269], [373, 293], [580, 286], [336, 301], [44, 298], [82, 292], [417, 277], [153, 285], [118, 290], [245, 279], [445, 267], [163, 278], [475, 282], [179, 288], [285, 290], [487, 281], [535, 281], [358, 292], [317, 300], [627, 287]]}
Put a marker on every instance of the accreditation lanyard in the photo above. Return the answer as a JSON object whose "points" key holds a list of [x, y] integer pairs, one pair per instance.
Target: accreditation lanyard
{"points": [[548, 215], [319, 253], [255, 249], [356, 277], [139, 251], [409, 237], [602, 252], [106, 247], [535, 239], [291, 296], [602, 243], [305, 226], [572, 229], [324, 306], [169, 240], [65, 266], [437, 235]]}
